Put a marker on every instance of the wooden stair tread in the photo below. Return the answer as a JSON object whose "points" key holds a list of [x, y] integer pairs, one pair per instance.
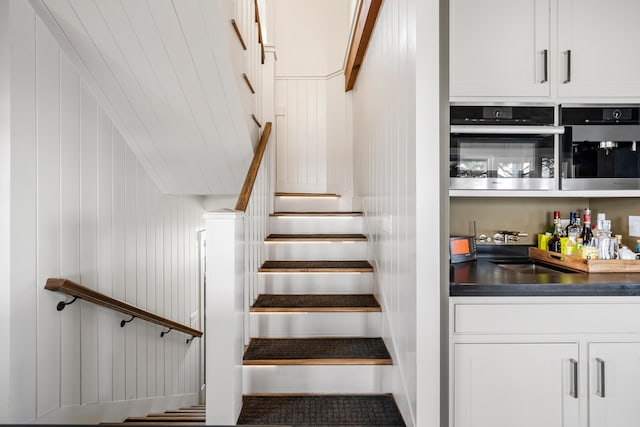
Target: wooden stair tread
{"points": [[316, 302], [177, 414], [283, 194], [316, 266], [158, 423], [179, 419], [315, 237], [313, 214], [317, 351]]}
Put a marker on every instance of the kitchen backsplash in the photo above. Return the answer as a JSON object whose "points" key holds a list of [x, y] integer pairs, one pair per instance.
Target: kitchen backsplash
{"points": [[533, 215]]}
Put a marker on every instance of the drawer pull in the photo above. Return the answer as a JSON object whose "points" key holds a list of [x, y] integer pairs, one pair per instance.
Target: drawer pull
{"points": [[568, 55], [573, 391], [600, 377], [545, 64]]}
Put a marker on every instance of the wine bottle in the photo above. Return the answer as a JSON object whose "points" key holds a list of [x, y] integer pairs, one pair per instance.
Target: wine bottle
{"points": [[554, 244], [572, 220], [587, 234]]}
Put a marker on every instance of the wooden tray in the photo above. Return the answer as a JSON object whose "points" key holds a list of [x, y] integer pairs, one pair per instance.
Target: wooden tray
{"points": [[583, 265]]}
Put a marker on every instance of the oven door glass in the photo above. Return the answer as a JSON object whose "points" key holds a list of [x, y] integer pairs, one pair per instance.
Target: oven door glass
{"points": [[502, 162]]}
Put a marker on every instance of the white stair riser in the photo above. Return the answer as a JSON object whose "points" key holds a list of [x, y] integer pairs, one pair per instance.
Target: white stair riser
{"points": [[315, 283], [317, 225], [317, 379], [326, 324], [316, 250], [307, 204]]}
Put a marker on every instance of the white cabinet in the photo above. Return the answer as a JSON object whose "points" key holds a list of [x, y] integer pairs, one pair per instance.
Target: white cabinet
{"points": [[515, 384], [499, 47], [598, 53], [614, 384], [544, 49], [544, 361]]}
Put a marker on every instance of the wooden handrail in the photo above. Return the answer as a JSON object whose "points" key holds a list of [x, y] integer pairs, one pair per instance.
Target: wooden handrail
{"points": [[78, 291], [256, 121], [248, 82], [247, 187], [257, 13], [237, 30], [367, 14]]}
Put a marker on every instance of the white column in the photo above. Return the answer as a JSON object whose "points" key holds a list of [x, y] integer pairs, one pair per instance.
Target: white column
{"points": [[5, 217], [224, 315]]}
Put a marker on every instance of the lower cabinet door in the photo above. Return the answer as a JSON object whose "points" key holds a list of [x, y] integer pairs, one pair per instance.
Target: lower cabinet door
{"points": [[614, 384], [521, 384]]}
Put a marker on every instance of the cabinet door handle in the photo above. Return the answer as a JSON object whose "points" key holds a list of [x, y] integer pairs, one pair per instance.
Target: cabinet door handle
{"points": [[600, 377], [573, 391], [568, 55], [545, 64]]}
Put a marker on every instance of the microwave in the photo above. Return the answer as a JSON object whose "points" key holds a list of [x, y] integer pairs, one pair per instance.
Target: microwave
{"points": [[502, 148], [601, 147]]}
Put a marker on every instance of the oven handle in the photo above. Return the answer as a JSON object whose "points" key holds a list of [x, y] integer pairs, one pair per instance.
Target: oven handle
{"points": [[508, 130]]}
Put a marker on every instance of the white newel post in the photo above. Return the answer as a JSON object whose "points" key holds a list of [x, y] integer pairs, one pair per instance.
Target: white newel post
{"points": [[224, 315]]}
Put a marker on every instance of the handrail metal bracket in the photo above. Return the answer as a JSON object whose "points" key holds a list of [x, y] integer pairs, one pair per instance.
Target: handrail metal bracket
{"points": [[190, 339], [124, 322], [62, 304], [163, 333]]}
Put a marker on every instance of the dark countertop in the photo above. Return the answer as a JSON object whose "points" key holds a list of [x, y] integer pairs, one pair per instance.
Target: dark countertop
{"points": [[486, 278]]}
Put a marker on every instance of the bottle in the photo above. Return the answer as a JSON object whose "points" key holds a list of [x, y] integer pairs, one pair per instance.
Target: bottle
{"points": [[637, 246], [554, 244], [572, 220], [586, 234], [573, 233], [552, 227], [577, 250]]}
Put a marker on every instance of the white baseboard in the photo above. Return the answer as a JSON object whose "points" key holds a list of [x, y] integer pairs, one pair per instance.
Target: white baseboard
{"points": [[116, 411]]}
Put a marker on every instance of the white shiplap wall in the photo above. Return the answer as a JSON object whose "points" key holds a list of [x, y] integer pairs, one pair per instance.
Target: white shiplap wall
{"points": [[161, 70], [5, 217], [385, 184], [84, 208], [301, 125], [313, 127], [314, 139]]}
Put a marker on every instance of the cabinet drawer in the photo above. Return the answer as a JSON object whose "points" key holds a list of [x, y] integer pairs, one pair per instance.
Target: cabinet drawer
{"points": [[539, 318]]}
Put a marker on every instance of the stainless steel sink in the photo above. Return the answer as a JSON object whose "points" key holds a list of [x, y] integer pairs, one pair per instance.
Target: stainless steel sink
{"points": [[527, 266]]}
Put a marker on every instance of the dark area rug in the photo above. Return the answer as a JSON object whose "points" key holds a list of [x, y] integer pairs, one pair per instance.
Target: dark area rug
{"points": [[316, 301], [316, 348], [321, 410], [315, 265]]}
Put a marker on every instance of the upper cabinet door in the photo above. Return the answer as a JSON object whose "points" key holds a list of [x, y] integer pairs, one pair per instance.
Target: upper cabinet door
{"points": [[598, 52], [614, 384], [500, 48]]}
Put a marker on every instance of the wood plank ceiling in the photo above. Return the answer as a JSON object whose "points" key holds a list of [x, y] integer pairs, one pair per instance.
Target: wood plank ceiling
{"points": [[162, 70]]}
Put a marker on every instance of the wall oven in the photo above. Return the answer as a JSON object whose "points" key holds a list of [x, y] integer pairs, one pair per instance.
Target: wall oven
{"points": [[600, 148], [502, 148]]}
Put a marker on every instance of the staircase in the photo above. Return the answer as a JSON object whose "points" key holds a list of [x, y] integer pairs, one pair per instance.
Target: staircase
{"points": [[315, 356], [188, 416]]}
